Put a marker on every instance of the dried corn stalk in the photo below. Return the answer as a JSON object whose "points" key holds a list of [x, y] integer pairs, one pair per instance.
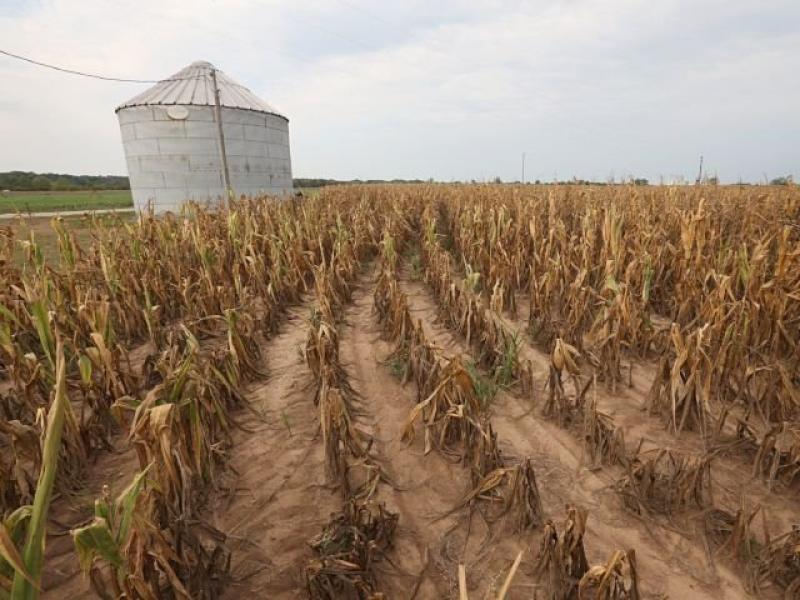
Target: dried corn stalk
{"points": [[616, 580], [562, 558], [604, 441], [681, 389], [778, 456], [347, 550], [663, 481], [565, 409], [766, 560], [452, 416], [460, 307], [522, 499]]}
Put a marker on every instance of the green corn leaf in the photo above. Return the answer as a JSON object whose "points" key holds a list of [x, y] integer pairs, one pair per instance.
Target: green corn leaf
{"points": [[10, 554], [17, 522], [42, 323], [191, 341], [85, 367], [648, 281], [96, 540], [126, 503], [33, 555], [7, 314], [102, 509]]}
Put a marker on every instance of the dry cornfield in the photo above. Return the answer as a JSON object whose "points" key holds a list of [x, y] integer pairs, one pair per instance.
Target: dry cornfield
{"points": [[429, 391]]}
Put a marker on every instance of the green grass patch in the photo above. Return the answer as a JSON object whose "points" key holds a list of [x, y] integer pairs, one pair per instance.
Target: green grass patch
{"points": [[504, 372], [398, 368], [398, 364], [32, 202], [485, 388]]}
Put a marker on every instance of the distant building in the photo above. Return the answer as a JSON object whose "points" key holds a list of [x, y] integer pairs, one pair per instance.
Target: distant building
{"points": [[173, 145]]}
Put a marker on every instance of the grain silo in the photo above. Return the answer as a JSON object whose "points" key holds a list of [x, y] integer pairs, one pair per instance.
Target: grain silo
{"points": [[176, 149]]}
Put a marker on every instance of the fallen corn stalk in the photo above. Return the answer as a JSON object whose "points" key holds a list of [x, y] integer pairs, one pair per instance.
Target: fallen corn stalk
{"points": [[347, 550]]}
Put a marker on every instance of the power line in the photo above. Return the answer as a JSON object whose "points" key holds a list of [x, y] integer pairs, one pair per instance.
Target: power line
{"points": [[74, 72], [127, 80], [103, 77]]}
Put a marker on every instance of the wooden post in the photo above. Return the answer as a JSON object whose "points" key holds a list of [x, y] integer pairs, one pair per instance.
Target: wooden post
{"points": [[218, 110]]}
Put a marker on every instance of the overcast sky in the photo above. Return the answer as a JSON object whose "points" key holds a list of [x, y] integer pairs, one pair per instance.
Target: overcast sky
{"points": [[423, 88]]}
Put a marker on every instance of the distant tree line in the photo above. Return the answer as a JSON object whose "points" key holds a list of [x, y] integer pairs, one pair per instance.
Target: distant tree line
{"points": [[24, 181], [60, 182], [303, 182], [312, 183]]}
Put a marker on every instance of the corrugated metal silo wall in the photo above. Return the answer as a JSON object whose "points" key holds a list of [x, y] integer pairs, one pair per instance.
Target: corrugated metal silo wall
{"points": [[170, 161]]}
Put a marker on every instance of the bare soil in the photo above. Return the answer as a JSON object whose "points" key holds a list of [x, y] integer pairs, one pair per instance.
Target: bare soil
{"points": [[279, 497]]}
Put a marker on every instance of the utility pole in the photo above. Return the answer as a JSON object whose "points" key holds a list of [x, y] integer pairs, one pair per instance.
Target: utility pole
{"points": [[523, 168], [700, 174], [218, 110]]}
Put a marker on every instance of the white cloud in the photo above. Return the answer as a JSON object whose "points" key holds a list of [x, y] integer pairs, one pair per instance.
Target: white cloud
{"points": [[455, 90]]}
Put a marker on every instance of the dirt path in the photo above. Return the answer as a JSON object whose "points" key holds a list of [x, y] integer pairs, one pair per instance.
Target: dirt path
{"points": [[65, 213], [427, 487], [280, 498], [668, 562]]}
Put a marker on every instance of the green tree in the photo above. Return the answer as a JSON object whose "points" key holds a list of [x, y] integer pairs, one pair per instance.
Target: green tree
{"points": [[41, 183], [62, 184]]}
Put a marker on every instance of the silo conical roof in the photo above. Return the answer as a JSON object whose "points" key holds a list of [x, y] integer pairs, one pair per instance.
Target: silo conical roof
{"points": [[193, 85]]}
